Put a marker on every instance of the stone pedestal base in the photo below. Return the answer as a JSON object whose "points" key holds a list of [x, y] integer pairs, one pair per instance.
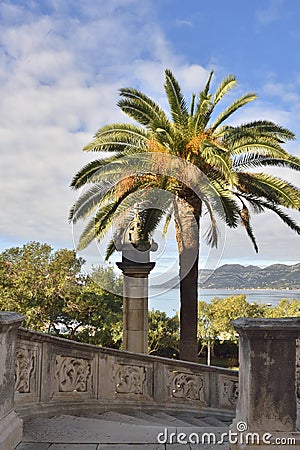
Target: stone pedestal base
{"points": [[135, 305], [10, 431], [266, 411]]}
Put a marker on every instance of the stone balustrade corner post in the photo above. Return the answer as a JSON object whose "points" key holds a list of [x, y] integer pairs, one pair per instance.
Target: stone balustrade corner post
{"points": [[11, 426], [267, 380]]}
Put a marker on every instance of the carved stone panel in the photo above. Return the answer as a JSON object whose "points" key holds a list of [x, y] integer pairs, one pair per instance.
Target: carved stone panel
{"points": [[72, 374], [129, 379], [25, 369], [229, 391], [188, 386]]}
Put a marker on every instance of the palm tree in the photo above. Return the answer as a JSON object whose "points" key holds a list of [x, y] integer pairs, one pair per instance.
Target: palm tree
{"points": [[202, 164]]}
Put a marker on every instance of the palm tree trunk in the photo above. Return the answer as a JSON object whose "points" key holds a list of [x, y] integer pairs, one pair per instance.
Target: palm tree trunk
{"points": [[187, 217]]}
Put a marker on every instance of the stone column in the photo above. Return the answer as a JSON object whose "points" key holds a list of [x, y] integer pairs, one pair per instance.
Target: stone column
{"points": [[135, 305], [267, 381], [10, 423], [136, 266]]}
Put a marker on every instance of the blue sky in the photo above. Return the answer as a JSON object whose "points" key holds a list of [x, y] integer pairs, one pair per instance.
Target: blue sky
{"points": [[62, 63]]}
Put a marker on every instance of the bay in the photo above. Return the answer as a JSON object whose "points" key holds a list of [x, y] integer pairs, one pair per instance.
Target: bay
{"points": [[168, 300]]}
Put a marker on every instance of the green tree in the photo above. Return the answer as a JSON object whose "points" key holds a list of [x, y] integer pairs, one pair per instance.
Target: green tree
{"points": [[207, 333], [215, 319], [50, 290], [225, 310], [285, 308], [96, 313], [178, 154], [38, 282], [163, 334]]}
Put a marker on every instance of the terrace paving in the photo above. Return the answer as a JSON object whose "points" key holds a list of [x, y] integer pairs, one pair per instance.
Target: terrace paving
{"points": [[130, 430]]}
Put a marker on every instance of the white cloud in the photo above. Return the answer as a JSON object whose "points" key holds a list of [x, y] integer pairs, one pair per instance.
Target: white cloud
{"points": [[271, 13], [184, 23], [60, 74], [193, 77], [286, 92]]}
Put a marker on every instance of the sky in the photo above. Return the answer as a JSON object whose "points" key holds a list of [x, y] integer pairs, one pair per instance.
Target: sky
{"points": [[62, 63]]}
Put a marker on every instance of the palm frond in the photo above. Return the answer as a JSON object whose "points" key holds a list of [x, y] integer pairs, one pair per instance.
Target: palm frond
{"points": [[89, 171], [239, 103], [192, 106], [110, 249], [176, 101], [143, 109], [264, 145], [203, 114], [204, 93], [217, 158], [225, 205], [254, 160], [226, 85], [90, 200], [204, 108], [272, 188], [245, 219], [168, 221], [118, 137], [262, 204], [260, 128], [100, 223], [211, 235], [117, 167], [150, 218]]}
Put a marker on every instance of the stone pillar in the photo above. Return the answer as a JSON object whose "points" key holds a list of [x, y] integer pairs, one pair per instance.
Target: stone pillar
{"points": [[10, 423], [135, 305], [267, 381], [136, 266]]}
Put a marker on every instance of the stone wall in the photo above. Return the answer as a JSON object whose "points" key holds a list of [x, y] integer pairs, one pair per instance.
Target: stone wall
{"points": [[54, 374]]}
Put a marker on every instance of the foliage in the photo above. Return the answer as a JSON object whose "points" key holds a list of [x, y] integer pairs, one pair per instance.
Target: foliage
{"points": [[38, 282], [50, 290], [215, 318], [285, 308], [224, 311], [163, 334], [95, 315]]}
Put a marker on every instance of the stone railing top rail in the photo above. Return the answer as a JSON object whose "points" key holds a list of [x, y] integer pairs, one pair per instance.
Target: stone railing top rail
{"points": [[6, 318], [286, 324]]}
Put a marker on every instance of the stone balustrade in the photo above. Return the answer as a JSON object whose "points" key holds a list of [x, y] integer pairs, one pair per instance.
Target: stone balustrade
{"points": [[40, 373], [54, 374]]}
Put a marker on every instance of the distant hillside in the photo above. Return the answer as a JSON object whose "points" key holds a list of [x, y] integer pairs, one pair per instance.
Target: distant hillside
{"points": [[236, 276]]}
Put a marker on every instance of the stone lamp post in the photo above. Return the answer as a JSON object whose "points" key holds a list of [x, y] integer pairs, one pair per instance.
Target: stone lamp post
{"points": [[136, 267]]}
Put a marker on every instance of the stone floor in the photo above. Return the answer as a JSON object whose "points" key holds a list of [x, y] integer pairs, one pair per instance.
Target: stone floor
{"points": [[131, 430]]}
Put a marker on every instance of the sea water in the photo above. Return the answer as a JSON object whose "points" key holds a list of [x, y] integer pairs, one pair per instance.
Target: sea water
{"points": [[168, 300]]}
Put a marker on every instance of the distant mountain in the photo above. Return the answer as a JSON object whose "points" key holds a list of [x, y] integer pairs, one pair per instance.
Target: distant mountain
{"points": [[236, 276]]}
